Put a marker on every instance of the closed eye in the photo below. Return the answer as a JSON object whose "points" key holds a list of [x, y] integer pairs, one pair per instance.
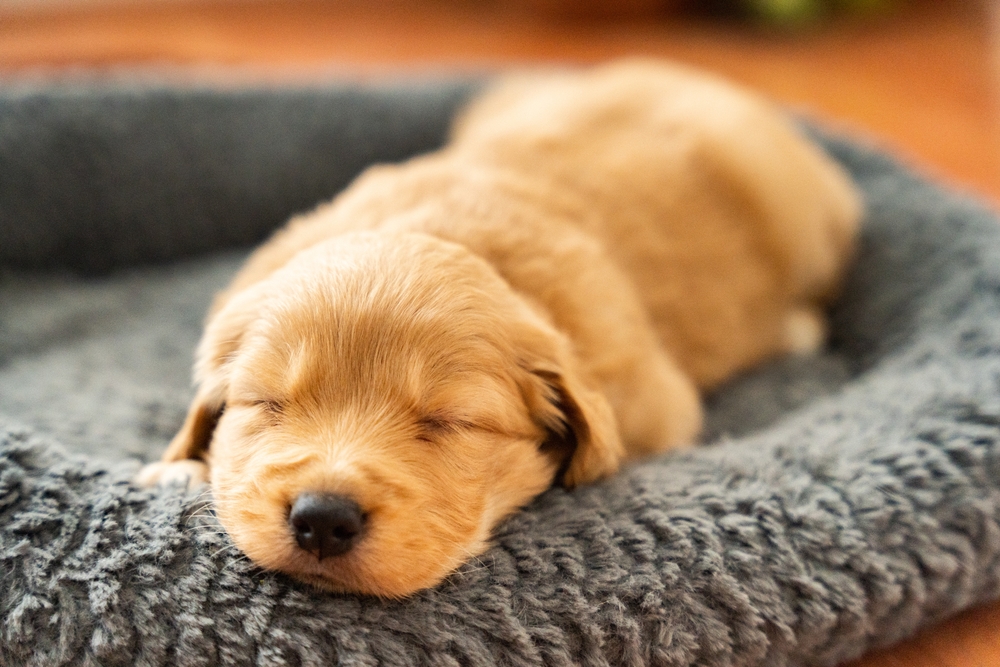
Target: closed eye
{"points": [[433, 426], [275, 407], [270, 408]]}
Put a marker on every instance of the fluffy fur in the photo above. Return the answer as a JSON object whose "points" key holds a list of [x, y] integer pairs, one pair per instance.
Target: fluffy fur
{"points": [[535, 303]]}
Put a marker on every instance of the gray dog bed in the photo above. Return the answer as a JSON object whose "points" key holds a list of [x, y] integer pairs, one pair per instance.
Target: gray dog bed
{"points": [[839, 503]]}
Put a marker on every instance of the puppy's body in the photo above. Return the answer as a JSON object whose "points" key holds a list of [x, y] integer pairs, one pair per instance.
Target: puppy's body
{"points": [[543, 297]]}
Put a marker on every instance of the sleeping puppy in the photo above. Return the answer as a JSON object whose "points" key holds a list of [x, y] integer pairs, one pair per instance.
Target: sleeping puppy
{"points": [[539, 301]]}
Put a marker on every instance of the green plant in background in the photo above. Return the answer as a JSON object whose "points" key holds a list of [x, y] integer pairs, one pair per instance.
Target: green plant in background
{"points": [[794, 13]]}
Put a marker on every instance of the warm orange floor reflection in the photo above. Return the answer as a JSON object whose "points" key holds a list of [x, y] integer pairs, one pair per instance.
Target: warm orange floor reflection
{"points": [[925, 84], [971, 639]]}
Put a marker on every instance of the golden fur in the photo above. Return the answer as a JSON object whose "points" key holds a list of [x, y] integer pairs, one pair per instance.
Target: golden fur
{"points": [[544, 297]]}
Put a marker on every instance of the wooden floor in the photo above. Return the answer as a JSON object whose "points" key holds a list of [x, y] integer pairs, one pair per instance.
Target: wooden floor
{"points": [[924, 84]]}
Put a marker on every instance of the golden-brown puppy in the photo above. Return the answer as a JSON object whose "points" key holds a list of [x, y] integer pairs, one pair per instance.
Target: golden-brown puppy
{"points": [[397, 371]]}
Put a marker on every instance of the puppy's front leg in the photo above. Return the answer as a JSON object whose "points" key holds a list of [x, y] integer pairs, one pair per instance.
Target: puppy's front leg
{"points": [[191, 473]]}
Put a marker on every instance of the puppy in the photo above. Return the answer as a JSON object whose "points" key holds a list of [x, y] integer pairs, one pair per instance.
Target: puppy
{"points": [[542, 299]]}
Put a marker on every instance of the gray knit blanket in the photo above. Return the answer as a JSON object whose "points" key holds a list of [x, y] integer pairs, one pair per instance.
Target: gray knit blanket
{"points": [[839, 502]]}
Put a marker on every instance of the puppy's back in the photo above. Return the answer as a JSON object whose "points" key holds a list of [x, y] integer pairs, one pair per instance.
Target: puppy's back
{"points": [[730, 223]]}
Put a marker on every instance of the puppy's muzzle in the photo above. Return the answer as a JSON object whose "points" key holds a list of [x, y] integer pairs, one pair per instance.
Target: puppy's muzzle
{"points": [[325, 524]]}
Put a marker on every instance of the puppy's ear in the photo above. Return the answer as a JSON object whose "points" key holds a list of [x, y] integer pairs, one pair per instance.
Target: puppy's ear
{"points": [[195, 434], [224, 332], [582, 432]]}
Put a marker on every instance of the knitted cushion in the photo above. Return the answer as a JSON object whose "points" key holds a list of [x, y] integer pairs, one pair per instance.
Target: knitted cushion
{"points": [[840, 502]]}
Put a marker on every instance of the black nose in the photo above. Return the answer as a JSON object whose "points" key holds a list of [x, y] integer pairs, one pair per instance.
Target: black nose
{"points": [[325, 524]]}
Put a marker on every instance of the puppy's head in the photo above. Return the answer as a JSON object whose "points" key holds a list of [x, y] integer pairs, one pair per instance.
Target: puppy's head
{"points": [[372, 410]]}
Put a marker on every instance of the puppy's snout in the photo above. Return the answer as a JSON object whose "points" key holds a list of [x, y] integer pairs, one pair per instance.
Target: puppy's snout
{"points": [[326, 524]]}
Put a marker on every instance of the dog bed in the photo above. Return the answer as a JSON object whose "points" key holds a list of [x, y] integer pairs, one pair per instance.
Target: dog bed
{"points": [[839, 502]]}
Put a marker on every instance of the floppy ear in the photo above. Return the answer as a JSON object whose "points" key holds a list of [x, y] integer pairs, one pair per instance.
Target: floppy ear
{"points": [[195, 434], [579, 421], [223, 336]]}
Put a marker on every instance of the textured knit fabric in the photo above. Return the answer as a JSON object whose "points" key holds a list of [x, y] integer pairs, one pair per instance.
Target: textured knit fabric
{"points": [[839, 502], [131, 176]]}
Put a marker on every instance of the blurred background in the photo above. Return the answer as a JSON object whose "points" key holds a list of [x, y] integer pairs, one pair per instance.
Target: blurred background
{"points": [[918, 77]]}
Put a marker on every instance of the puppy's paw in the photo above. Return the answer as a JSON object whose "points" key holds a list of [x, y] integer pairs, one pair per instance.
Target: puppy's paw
{"points": [[189, 472], [805, 331]]}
